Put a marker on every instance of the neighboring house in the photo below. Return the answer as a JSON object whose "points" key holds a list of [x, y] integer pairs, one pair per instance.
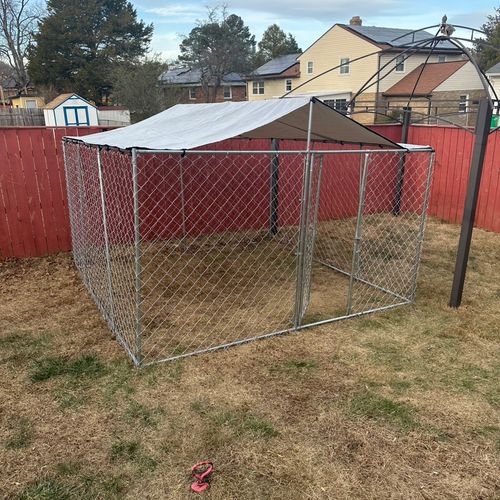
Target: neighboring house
{"points": [[113, 116], [340, 46], [493, 75], [27, 101], [438, 89], [188, 81], [274, 78], [70, 110]]}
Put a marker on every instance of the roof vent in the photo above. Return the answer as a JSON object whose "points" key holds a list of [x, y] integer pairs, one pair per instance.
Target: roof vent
{"points": [[356, 21]]}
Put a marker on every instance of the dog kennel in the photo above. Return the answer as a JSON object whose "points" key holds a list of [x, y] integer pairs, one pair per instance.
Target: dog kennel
{"points": [[210, 225]]}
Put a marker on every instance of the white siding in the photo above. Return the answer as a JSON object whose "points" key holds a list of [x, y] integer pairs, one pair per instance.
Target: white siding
{"points": [[411, 63], [466, 78], [112, 117]]}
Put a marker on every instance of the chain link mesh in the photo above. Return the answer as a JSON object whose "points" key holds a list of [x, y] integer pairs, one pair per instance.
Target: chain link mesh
{"points": [[203, 250]]}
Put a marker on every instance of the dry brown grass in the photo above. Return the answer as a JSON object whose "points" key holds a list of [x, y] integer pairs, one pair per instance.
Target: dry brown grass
{"points": [[395, 405]]}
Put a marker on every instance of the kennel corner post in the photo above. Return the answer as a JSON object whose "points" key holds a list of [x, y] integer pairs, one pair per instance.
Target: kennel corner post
{"points": [[357, 233], [106, 241], [274, 188], [137, 259], [421, 229], [299, 287]]}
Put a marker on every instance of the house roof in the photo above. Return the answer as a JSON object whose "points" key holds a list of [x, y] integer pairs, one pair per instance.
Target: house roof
{"points": [[62, 98], [189, 126], [494, 69], [433, 75], [277, 65], [187, 76], [387, 36]]}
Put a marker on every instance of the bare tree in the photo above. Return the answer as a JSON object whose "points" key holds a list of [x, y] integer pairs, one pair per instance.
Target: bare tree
{"points": [[18, 23]]}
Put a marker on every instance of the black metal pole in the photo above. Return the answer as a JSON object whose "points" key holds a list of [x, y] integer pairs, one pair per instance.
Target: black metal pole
{"points": [[396, 208], [275, 163], [476, 169]]}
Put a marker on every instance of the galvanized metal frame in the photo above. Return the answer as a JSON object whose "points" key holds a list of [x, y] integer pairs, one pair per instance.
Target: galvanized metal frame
{"points": [[304, 252]]}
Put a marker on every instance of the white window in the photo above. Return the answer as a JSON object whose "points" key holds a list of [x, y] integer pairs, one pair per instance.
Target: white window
{"points": [[338, 104], [192, 92], [258, 87], [344, 66], [288, 85], [400, 64], [310, 67], [463, 104], [31, 103], [227, 92], [441, 59]]}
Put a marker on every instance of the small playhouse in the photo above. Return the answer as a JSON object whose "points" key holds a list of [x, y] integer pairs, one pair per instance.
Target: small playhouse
{"points": [[210, 225]]}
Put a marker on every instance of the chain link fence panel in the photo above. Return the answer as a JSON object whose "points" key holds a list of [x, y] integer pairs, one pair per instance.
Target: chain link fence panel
{"points": [[188, 252]]}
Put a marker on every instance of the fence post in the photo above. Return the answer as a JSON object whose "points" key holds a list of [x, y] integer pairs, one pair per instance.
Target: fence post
{"points": [[274, 188], [401, 168], [357, 233], [476, 170], [299, 287], [137, 245], [106, 240]]}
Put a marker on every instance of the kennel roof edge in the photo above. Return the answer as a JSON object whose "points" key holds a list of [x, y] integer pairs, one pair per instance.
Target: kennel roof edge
{"points": [[189, 126]]}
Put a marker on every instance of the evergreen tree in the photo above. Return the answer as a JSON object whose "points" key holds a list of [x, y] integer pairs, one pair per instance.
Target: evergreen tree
{"points": [[219, 45], [489, 56], [275, 42], [77, 46]]}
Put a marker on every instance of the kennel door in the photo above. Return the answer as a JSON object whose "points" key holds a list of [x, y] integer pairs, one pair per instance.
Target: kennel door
{"points": [[312, 185]]}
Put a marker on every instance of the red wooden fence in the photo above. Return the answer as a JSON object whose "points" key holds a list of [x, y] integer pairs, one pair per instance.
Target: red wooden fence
{"points": [[33, 205], [451, 170]]}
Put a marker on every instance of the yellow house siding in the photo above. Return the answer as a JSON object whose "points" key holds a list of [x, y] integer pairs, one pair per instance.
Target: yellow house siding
{"points": [[327, 52], [391, 78], [272, 88]]}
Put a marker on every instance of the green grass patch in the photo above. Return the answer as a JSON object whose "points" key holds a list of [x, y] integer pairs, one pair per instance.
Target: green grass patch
{"points": [[389, 354], [71, 486], [295, 367], [21, 436], [131, 451], [22, 347], [49, 489], [87, 365], [239, 421], [381, 409], [399, 386], [144, 416]]}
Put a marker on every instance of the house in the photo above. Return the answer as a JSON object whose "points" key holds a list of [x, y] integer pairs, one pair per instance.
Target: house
{"points": [[188, 81], [493, 75], [26, 101], [359, 52], [438, 89], [70, 110], [113, 116], [274, 78]]}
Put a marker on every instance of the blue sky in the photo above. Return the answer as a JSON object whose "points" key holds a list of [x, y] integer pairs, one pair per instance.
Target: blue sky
{"points": [[306, 19]]}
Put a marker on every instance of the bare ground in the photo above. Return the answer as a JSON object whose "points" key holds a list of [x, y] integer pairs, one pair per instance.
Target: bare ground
{"points": [[403, 404]]}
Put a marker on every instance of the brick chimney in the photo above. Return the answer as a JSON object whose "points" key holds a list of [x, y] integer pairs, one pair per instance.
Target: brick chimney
{"points": [[356, 21]]}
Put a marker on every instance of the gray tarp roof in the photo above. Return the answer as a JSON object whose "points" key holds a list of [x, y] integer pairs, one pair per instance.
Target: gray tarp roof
{"points": [[188, 126]]}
